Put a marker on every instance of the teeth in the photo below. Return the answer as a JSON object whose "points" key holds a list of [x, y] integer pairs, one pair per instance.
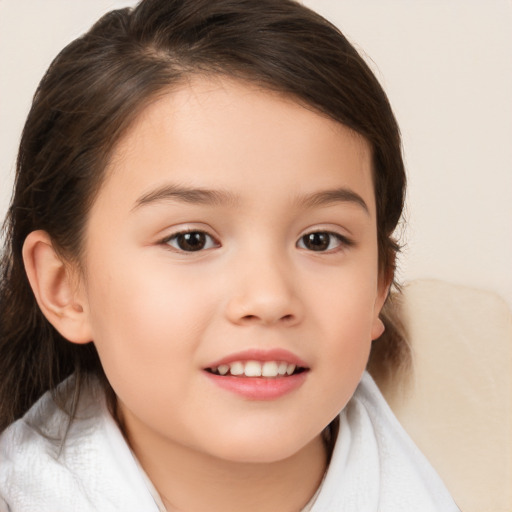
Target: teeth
{"points": [[252, 369], [237, 368], [256, 369], [223, 369], [290, 369], [269, 369]]}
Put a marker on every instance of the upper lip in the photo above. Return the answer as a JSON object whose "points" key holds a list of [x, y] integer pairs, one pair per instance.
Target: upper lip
{"points": [[276, 354]]}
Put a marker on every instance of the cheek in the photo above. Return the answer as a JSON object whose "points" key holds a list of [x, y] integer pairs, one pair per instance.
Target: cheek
{"points": [[344, 300], [345, 312], [143, 318]]}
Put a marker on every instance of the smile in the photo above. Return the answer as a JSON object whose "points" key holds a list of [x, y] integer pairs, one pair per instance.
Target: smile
{"points": [[259, 374], [271, 369]]}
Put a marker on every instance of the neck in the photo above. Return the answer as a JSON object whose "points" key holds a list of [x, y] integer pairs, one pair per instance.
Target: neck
{"points": [[200, 482]]}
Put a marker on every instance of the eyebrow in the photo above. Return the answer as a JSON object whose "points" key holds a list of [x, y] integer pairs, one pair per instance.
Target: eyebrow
{"points": [[328, 197], [185, 195], [221, 197]]}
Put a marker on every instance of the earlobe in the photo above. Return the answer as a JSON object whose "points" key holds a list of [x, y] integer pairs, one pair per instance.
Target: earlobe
{"points": [[378, 326], [53, 287]]}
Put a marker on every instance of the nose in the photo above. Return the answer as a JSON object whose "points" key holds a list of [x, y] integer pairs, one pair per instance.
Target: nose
{"points": [[264, 291]]}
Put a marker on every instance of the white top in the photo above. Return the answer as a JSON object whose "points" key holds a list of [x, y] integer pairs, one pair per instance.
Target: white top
{"points": [[375, 467]]}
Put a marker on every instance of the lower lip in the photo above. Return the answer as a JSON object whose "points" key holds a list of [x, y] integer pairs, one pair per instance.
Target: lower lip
{"points": [[259, 388]]}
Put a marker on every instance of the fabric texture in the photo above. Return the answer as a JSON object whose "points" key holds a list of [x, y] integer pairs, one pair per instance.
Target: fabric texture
{"points": [[375, 467]]}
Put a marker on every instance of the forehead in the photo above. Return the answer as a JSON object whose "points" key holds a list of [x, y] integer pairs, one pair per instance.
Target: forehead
{"points": [[219, 133]]}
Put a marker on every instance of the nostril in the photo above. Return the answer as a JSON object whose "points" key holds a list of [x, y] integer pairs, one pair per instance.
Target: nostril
{"points": [[252, 318]]}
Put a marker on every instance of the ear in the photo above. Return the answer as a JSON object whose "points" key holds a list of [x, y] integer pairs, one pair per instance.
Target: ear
{"points": [[55, 289], [378, 326]]}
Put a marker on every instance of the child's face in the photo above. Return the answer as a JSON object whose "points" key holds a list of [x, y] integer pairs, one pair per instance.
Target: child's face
{"points": [[252, 176]]}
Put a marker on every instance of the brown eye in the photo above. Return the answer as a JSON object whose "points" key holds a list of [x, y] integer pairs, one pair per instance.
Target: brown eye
{"points": [[191, 241], [320, 241]]}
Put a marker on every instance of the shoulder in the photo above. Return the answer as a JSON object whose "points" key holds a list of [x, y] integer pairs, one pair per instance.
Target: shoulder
{"points": [[48, 463], [38, 451], [376, 466], [46, 429]]}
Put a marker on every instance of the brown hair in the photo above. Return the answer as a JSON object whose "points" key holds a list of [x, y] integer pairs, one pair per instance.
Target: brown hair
{"points": [[93, 91]]}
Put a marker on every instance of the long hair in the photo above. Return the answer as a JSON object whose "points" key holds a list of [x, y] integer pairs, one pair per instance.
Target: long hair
{"points": [[93, 91]]}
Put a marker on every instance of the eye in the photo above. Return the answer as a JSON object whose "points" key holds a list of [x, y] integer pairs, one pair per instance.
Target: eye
{"points": [[191, 241], [322, 241]]}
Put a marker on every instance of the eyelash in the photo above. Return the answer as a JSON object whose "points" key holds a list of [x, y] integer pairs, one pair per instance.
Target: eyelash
{"points": [[209, 241]]}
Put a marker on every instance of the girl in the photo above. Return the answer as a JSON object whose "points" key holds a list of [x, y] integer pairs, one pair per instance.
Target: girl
{"points": [[200, 250]]}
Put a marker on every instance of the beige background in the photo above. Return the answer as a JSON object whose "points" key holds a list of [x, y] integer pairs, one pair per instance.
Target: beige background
{"points": [[447, 67]]}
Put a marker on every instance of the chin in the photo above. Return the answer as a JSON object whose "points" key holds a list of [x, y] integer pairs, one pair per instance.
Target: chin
{"points": [[262, 449]]}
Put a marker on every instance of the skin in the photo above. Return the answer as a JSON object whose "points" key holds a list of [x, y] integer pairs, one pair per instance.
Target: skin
{"points": [[159, 315]]}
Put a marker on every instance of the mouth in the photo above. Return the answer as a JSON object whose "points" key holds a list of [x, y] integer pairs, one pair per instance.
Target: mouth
{"points": [[257, 369], [259, 374]]}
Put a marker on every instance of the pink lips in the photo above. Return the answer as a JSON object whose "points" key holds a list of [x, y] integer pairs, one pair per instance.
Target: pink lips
{"points": [[259, 388]]}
